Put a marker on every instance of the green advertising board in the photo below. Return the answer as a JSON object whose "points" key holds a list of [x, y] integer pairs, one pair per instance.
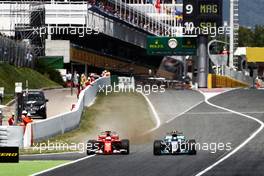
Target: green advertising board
{"points": [[55, 62], [166, 46]]}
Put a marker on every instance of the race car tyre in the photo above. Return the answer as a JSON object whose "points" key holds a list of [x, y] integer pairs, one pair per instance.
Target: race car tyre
{"points": [[192, 147], [157, 147], [125, 145], [91, 147]]}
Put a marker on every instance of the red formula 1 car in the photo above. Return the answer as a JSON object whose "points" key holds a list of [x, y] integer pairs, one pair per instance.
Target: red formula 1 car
{"points": [[108, 143]]}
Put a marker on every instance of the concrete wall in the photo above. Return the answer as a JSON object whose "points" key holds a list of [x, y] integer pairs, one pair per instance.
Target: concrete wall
{"points": [[11, 136], [69, 120]]}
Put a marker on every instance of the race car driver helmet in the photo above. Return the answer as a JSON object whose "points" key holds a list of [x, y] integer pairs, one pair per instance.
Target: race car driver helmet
{"points": [[108, 133], [174, 133]]}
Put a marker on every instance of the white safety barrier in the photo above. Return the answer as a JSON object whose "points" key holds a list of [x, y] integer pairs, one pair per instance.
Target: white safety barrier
{"points": [[11, 136], [68, 120]]}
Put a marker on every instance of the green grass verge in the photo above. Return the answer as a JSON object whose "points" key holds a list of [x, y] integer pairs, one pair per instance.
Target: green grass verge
{"points": [[31, 151], [7, 99], [24, 168], [10, 74]]}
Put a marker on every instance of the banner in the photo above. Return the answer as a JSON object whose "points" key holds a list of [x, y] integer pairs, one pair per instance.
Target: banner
{"points": [[9, 154]]}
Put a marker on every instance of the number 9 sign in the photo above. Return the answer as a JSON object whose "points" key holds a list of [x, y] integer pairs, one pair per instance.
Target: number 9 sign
{"points": [[189, 9], [189, 14]]}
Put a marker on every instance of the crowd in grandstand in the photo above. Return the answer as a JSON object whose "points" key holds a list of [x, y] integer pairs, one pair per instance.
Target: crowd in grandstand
{"points": [[129, 15]]}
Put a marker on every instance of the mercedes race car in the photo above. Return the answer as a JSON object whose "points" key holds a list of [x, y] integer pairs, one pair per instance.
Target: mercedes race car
{"points": [[174, 143], [108, 143]]}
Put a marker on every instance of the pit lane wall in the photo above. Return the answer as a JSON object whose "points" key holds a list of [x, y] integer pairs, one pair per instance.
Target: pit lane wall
{"points": [[219, 81], [67, 121]]}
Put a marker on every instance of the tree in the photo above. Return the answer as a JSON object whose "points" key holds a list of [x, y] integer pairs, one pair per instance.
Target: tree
{"points": [[251, 37], [259, 36], [245, 37]]}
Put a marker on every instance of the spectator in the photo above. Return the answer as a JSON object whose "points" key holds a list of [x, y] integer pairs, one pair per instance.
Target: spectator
{"points": [[105, 73], [26, 119], [1, 98], [83, 81], [92, 77], [1, 117], [78, 90], [69, 79], [76, 79], [11, 120], [88, 82]]}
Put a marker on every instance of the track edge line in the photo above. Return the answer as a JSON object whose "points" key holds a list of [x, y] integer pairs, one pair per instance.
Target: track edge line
{"points": [[62, 165], [239, 146]]}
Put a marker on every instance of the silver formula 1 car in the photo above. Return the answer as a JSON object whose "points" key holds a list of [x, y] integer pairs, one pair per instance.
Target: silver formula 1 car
{"points": [[174, 143]]}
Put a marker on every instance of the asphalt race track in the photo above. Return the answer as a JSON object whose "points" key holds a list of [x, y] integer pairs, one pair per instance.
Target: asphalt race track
{"points": [[60, 101], [205, 123]]}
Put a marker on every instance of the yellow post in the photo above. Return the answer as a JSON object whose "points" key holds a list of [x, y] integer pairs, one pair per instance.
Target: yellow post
{"points": [[209, 82]]}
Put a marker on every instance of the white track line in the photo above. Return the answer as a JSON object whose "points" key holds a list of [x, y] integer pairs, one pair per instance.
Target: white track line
{"points": [[156, 116], [45, 154], [62, 165], [238, 147], [200, 102], [211, 113]]}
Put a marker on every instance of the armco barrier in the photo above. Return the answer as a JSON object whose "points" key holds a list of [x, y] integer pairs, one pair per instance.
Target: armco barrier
{"points": [[11, 136], [68, 120]]}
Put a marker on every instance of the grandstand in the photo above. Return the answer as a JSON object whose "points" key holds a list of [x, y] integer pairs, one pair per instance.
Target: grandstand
{"points": [[119, 30]]}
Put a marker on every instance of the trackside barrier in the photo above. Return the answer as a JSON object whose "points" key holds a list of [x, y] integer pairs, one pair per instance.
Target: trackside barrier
{"points": [[237, 75], [11, 136], [67, 121], [219, 81]]}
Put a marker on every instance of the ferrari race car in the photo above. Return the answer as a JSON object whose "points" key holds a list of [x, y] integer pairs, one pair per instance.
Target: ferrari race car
{"points": [[108, 143], [174, 143]]}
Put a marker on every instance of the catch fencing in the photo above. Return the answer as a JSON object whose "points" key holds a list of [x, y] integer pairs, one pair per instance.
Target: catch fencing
{"points": [[16, 53]]}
